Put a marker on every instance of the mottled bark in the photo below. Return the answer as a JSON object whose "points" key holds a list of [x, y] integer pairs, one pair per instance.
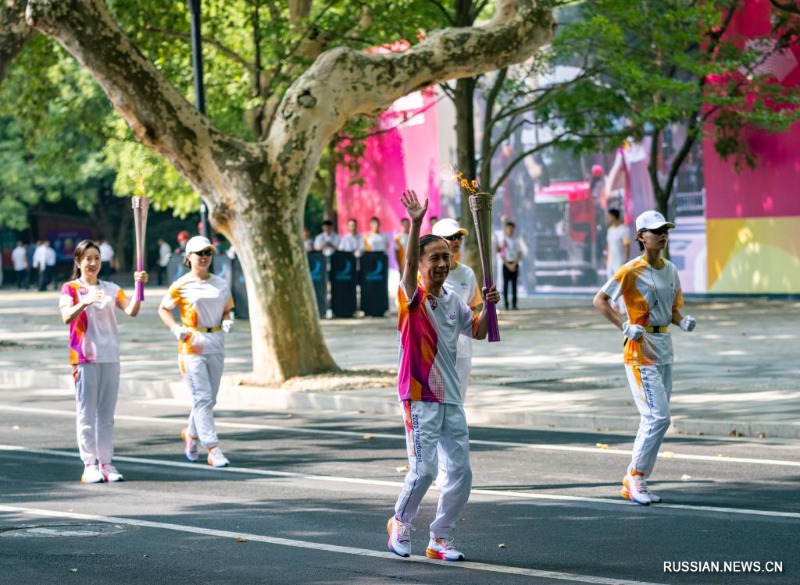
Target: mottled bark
{"points": [[14, 32], [256, 192]]}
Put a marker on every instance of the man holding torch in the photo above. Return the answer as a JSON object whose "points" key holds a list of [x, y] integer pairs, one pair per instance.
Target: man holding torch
{"points": [[430, 319]]}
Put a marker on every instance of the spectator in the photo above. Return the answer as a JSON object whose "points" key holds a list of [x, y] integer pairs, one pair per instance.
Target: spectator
{"points": [[328, 240], [183, 237], [374, 240], [44, 261], [19, 258], [511, 253], [401, 243], [106, 259], [308, 243], [351, 241], [164, 254]]}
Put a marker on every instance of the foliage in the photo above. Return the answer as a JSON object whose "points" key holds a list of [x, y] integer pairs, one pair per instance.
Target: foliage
{"points": [[651, 64]]}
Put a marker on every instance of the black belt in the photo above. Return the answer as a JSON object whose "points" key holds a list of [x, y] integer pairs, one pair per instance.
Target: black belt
{"points": [[657, 329]]}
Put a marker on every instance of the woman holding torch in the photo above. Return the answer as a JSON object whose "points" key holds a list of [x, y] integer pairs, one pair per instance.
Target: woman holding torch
{"points": [[87, 306], [205, 303]]}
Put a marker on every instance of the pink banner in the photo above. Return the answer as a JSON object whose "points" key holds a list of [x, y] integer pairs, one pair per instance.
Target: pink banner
{"points": [[770, 189], [402, 154]]}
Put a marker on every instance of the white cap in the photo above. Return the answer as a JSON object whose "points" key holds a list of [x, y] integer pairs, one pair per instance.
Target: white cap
{"points": [[448, 227], [198, 244], [652, 220]]}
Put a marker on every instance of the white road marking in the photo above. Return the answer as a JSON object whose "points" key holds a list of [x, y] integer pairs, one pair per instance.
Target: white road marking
{"points": [[571, 577], [499, 493], [360, 434]]}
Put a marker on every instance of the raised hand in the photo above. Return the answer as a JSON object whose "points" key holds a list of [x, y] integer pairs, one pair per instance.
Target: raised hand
{"points": [[415, 211]]}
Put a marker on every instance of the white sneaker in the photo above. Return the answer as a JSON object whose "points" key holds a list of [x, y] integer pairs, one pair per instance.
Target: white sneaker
{"points": [[654, 498], [216, 458], [399, 536], [91, 474], [636, 489], [110, 473], [189, 445], [442, 548]]}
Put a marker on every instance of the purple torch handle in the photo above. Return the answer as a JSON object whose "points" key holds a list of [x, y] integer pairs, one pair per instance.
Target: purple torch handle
{"points": [[140, 206], [491, 316], [139, 284]]}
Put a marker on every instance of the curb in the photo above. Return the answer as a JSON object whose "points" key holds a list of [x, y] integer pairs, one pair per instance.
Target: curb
{"points": [[382, 401]]}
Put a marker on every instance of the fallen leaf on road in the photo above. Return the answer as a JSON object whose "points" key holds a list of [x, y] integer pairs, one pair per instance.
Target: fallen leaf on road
{"points": [[368, 437], [240, 539], [15, 428], [700, 433], [762, 435], [73, 570], [402, 469], [502, 545], [685, 477], [601, 446], [361, 411], [290, 415], [669, 454]]}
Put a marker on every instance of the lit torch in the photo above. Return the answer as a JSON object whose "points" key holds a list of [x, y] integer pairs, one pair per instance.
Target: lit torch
{"points": [[481, 206], [140, 206]]}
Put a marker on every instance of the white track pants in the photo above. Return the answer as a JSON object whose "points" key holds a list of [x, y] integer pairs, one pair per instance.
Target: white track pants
{"points": [[203, 374], [651, 387], [428, 426], [96, 391]]}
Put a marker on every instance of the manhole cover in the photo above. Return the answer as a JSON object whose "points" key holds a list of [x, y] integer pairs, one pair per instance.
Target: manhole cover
{"points": [[63, 530]]}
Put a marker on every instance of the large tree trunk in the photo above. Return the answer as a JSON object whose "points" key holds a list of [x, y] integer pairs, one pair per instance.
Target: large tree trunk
{"points": [[467, 165], [256, 191], [14, 32], [285, 332]]}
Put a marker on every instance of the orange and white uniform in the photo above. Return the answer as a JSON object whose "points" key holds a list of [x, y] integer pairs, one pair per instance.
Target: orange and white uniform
{"points": [[201, 304], [650, 297], [94, 356]]}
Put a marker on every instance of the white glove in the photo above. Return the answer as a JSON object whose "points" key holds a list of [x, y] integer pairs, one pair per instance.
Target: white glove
{"points": [[632, 332], [227, 325], [688, 323], [180, 332]]}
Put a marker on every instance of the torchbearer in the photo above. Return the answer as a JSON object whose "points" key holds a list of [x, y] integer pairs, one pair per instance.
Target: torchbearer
{"points": [[140, 206], [430, 319]]}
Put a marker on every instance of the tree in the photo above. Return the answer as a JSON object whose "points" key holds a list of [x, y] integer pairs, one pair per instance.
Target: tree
{"points": [[256, 190], [657, 64]]}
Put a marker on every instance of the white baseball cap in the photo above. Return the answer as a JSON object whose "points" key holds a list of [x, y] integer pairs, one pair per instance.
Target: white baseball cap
{"points": [[448, 227], [652, 220], [198, 244]]}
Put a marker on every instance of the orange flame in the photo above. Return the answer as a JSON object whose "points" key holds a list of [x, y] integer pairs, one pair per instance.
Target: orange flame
{"points": [[470, 186]]}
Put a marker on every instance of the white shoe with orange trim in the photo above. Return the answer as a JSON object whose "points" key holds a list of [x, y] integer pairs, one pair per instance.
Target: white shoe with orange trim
{"points": [[399, 536], [635, 489], [91, 474], [110, 473], [189, 445], [654, 498], [216, 458], [442, 548]]}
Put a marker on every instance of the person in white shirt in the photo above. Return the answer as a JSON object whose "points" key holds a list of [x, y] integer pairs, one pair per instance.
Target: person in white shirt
{"points": [[618, 243], [164, 254], [328, 240], [87, 305], [462, 281], [351, 241], [44, 261], [204, 302], [106, 258], [401, 243], [308, 243], [374, 240], [510, 253], [19, 258]]}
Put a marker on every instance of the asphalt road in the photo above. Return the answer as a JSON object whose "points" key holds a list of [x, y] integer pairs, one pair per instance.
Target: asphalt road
{"points": [[307, 498]]}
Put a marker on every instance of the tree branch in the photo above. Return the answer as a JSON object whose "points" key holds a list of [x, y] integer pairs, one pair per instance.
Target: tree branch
{"points": [[14, 32]]}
